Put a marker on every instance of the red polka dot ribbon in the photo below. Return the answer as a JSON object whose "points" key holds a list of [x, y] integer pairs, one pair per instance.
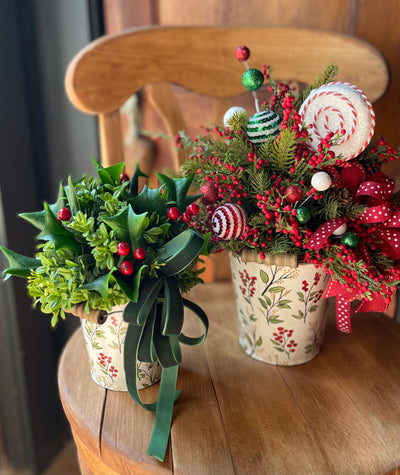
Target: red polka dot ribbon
{"points": [[376, 193], [344, 298], [324, 232]]}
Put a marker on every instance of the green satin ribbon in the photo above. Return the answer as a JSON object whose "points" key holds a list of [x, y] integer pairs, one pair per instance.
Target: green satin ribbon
{"points": [[155, 333]]}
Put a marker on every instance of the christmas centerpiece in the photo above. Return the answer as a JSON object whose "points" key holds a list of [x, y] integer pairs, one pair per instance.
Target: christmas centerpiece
{"points": [[298, 187], [120, 259]]}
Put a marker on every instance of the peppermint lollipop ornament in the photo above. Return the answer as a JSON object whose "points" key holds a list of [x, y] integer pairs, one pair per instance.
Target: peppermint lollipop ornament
{"points": [[229, 221], [343, 109]]}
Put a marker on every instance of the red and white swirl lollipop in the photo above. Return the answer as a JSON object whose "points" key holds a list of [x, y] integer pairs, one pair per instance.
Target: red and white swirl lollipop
{"points": [[335, 107]]}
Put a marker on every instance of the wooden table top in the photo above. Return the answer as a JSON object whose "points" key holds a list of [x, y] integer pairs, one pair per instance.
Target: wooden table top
{"points": [[338, 414]]}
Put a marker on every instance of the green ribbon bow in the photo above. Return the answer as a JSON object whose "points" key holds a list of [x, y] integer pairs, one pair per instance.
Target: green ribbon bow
{"points": [[155, 333]]}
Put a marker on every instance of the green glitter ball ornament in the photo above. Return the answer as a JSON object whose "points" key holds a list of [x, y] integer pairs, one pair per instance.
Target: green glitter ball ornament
{"points": [[263, 126], [303, 215], [253, 79], [350, 240]]}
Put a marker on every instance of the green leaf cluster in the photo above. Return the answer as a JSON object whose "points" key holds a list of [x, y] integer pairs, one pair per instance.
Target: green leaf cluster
{"points": [[77, 260]]}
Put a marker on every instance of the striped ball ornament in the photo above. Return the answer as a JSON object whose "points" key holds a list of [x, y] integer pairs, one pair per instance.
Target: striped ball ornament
{"points": [[263, 126], [229, 221]]}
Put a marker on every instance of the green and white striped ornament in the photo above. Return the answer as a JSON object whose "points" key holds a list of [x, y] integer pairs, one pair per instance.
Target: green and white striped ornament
{"points": [[263, 125]]}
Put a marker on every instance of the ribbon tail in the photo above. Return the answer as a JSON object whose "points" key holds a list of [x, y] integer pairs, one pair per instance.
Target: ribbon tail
{"points": [[165, 404], [343, 314], [193, 341], [131, 349]]}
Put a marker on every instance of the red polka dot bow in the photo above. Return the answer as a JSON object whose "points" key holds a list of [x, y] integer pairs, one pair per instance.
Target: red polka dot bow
{"points": [[375, 193]]}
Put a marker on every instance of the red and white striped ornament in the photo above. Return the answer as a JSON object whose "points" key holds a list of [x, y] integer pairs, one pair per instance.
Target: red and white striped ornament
{"points": [[229, 221], [335, 107]]}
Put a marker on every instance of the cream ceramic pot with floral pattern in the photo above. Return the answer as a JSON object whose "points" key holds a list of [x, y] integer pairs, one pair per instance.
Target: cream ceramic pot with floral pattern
{"points": [[105, 346], [281, 312]]}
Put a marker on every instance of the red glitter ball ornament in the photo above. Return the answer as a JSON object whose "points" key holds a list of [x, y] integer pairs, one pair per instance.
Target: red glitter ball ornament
{"points": [[293, 194], [242, 53], [210, 193]]}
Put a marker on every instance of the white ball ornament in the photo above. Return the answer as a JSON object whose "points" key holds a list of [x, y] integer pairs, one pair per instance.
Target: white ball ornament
{"points": [[340, 230], [229, 221], [321, 181], [231, 112]]}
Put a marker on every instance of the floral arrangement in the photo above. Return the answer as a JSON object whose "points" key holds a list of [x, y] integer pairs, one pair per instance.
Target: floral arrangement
{"points": [[301, 177], [102, 243]]}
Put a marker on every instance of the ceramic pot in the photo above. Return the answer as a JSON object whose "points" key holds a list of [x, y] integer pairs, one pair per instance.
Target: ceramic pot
{"points": [[282, 315], [105, 346]]}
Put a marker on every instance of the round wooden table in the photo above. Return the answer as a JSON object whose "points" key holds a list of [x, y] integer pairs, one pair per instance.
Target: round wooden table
{"points": [[338, 414]]}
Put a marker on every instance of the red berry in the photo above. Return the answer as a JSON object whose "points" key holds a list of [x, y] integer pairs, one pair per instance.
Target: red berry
{"points": [[140, 253], [123, 177], [64, 214], [126, 267], [187, 217], [242, 53], [194, 209], [173, 213], [123, 248]]}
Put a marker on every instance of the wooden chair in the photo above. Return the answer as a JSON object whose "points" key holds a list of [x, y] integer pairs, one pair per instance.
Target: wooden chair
{"points": [[99, 80], [107, 72]]}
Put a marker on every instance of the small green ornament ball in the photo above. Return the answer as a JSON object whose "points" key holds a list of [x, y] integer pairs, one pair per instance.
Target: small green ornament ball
{"points": [[303, 215], [350, 240], [253, 79]]}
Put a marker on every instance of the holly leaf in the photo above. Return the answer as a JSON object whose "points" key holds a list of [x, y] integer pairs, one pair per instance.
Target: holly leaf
{"points": [[55, 232], [134, 183], [109, 175], [128, 225], [100, 284], [20, 265], [182, 186], [131, 289], [149, 200], [37, 218], [168, 183], [72, 197]]}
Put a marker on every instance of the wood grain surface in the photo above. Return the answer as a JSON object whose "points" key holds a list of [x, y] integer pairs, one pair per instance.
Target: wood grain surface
{"points": [[338, 414], [104, 75]]}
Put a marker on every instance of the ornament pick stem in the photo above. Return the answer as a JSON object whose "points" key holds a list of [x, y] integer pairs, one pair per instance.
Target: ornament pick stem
{"points": [[252, 79]]}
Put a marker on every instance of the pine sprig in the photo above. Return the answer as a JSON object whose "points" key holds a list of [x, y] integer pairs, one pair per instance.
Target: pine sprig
{"points": [[283, 152], [328, 75]]}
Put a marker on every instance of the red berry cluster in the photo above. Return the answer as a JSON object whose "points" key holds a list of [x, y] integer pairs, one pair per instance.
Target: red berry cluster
{"points": [[123, 249], [187, 216], [105, 361], [248, 282], [282, 337]]}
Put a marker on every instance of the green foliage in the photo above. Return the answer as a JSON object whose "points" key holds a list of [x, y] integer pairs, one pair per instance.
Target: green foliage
{"points": [[77, 260], [328, 75]]}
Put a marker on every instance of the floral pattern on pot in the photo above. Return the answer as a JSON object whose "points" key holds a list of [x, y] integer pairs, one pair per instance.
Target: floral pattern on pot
{"points": [[281, 312], [105, 346]]}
